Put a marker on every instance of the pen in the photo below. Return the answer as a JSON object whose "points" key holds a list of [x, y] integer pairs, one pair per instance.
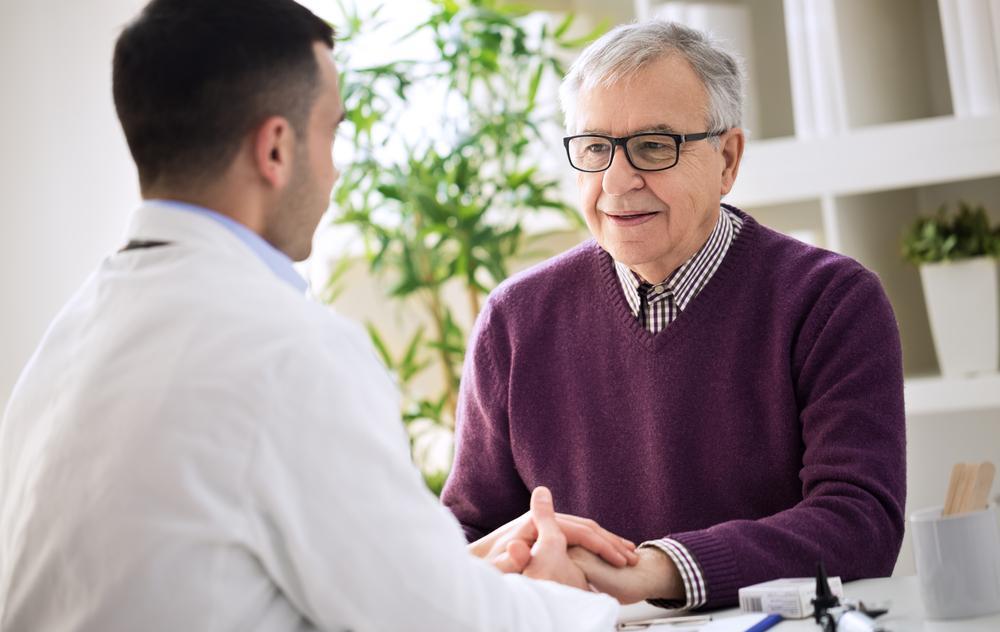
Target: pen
{"points": [[645, 623], [766, 623]]}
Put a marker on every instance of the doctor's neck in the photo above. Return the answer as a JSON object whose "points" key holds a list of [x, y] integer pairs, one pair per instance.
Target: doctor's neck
{"points": [[231, 195]]}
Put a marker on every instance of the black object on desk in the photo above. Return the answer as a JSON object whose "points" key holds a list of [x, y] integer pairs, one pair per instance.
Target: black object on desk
{"points": [[833, 617], [825, 599]]}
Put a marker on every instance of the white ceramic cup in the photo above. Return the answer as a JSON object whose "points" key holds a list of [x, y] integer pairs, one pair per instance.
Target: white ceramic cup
{"points": [[958, 562]]}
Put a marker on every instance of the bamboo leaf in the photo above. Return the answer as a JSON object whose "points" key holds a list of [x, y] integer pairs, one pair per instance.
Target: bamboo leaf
{"points": [[567, 21], [379, 343], [599, 30], [536, 79]]}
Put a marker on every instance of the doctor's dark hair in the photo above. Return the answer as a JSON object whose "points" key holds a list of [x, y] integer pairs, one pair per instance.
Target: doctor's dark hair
{"points": [[192, 77]]}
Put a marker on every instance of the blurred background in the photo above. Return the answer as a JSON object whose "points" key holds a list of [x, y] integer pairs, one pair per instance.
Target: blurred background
{"points": [[863, 116]]}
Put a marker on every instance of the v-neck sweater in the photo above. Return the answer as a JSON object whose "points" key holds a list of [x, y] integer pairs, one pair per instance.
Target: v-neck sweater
{"points": [[657, 305], [763, 430]]}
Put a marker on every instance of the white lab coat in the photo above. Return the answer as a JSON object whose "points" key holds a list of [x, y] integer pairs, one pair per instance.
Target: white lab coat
{"points": [[195, 446]]}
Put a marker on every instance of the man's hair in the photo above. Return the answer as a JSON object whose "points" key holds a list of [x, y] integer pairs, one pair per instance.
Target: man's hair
{"points": [[627, 49], [192, 77]]}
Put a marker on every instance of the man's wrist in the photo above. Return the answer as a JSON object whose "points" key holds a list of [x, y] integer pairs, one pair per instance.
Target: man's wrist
{"points": [[665, 581]]}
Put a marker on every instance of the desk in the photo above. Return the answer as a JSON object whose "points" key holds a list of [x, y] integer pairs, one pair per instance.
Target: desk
{"points": [[906, 611]]}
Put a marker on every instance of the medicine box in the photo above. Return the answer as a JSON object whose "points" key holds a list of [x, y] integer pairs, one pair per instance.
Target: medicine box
{"points": [[789, 597]]}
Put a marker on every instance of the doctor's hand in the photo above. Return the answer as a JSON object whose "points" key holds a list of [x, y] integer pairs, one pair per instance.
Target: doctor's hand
{"points": [[548, 558], [582, 532], [654, 577]]}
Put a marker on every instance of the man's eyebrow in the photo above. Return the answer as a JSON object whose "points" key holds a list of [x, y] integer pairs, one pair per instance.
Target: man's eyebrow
{"points": [[655, 129], [665, 129]]}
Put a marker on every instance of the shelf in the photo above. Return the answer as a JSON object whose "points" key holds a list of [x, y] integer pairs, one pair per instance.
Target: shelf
{"points": [[893, 61], [937, 395], [802, 220], [754, 30], [891, 156]]}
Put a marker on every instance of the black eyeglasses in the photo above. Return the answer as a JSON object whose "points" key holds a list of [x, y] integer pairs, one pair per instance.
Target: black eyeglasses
{"points": [[646, 151]]}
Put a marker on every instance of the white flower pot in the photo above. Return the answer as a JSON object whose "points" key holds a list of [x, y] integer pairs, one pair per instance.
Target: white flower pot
{"points": [[962, 302]]}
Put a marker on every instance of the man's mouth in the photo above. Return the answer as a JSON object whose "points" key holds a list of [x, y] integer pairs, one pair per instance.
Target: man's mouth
{"points": [[630, 218]]}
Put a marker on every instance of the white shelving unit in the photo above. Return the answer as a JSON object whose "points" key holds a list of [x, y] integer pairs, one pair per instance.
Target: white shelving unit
{"points": [[869, 113], [936, 395], [862, 115]]}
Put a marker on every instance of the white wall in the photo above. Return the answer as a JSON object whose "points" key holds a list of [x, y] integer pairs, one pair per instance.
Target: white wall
{"points": [[66, 178]]}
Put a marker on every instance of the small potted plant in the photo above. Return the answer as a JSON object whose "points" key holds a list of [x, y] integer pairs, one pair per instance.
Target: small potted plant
{"points": [[957, 255]]}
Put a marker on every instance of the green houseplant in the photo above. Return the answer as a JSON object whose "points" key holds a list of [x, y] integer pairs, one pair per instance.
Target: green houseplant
{"points": [[952, 237], [957, 255], [440, 205]]}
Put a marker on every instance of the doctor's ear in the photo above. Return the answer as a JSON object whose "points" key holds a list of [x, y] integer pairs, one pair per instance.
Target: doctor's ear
{"points": [[273, 146]]}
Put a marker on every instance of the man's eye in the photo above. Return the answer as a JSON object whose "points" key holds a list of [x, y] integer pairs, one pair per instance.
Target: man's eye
{"points": [[597, 148]]}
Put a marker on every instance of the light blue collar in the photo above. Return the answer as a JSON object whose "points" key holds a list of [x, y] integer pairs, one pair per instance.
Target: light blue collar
{"points": [[277, 261]]}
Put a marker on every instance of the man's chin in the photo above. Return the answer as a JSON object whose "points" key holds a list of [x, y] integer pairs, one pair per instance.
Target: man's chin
{"points": [[629, 252], [632, 262]]}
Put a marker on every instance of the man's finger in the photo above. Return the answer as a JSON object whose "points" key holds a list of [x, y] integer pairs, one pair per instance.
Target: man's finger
{"points": [[593, 523], [626, 543], [595, 543], [585, 532]]}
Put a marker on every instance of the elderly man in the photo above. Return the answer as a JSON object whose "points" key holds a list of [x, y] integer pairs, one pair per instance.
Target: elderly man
{"points": [[688, 378], [196, 446]]}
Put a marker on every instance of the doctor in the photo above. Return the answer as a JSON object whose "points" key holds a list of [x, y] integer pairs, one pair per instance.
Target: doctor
{"points": [[195, 445]]}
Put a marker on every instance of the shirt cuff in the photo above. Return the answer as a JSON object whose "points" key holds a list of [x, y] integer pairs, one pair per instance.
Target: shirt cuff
{"points": [[694, 583]]}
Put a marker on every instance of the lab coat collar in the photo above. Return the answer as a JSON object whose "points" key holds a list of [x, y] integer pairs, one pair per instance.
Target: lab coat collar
{"points": [[157, 221]]}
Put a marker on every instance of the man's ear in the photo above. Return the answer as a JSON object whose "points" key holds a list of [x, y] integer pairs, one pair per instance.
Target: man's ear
{"points": [[732, 151], [274, 145]]}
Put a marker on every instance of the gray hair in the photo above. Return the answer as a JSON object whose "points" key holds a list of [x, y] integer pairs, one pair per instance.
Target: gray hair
{"points": [[627, 49]]}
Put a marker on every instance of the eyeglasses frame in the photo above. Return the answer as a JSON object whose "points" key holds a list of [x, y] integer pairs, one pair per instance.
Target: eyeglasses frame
{"points": [[620, 141]]}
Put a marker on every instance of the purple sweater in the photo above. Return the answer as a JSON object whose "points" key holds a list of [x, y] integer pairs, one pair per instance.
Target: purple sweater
{"points": [[763, 429]]}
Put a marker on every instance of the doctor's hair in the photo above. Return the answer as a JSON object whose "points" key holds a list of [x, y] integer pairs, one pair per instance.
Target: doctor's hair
{"points": [[192, 77], [624, 51]]}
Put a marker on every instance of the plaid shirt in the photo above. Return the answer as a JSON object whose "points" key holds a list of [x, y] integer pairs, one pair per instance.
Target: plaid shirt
{"points": [[663, 303]]}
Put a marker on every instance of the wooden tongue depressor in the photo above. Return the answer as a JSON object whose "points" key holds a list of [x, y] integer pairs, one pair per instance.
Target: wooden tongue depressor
{"points": [[977, 490], [969, 488], [954, 485]]}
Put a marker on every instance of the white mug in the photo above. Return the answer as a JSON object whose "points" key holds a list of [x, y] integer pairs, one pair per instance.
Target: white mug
{"points": [[958, 562]]}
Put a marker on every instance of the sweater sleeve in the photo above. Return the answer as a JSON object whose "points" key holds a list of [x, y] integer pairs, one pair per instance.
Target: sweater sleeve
{"points": [[484, 490], [847, 368]]}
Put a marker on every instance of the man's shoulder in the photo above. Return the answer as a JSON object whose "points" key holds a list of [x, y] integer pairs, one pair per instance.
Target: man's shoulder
{"points": [[790, 262], [791, 279]]}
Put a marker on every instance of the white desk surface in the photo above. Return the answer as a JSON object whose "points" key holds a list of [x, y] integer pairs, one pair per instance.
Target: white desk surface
{"points": [[906, 611]]}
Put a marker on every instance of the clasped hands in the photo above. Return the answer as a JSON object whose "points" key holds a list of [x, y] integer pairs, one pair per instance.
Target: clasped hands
{"points": [[578, 552]]}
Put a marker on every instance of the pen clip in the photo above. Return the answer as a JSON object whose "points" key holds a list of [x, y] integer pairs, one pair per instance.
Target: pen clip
{"points": [[642, 624]]}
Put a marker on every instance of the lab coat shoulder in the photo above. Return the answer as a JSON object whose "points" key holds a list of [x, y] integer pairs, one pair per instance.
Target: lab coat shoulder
{"points": [[285, 353]]}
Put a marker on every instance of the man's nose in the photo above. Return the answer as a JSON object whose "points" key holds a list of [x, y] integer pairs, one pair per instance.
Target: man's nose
{"points": [[621, 177]]}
